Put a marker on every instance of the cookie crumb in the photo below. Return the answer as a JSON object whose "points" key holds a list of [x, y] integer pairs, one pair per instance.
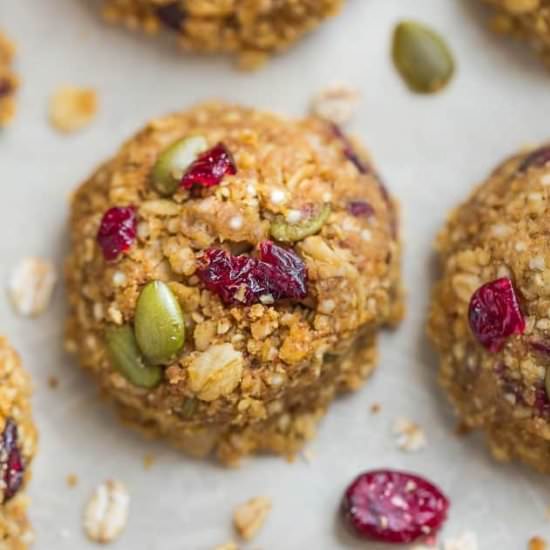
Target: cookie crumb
{"points": [[72, 108], [31, 286], [249, 517], [53, 382], [410, 436], [375, 408], [336, 103], [148, 461], [537, 543], [106, 513], [72, 480], [308, 455], [466, 541], [8, 81]]}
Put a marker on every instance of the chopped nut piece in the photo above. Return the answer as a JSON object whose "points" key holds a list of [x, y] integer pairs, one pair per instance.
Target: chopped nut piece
{"points": [[72, 108], [409, 435], [106, 513], [336, 103], [31, 285], [537, 543], [72, 480], [466, 541], [249, 517]]}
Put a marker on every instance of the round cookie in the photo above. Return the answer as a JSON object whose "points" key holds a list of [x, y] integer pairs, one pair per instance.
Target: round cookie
{"points": [[251, 28], [8, 81], [525, 19], [275, 244], [490, 314], [18, 442]]}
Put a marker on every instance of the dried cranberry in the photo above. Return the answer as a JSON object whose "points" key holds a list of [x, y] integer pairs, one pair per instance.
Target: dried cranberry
{"points": [[11, 462], [210, 168], [494, 314], [392, 506], [276, 274], [539, 157], [360, 209], [171, 15], [117, 231], [541, 347]]}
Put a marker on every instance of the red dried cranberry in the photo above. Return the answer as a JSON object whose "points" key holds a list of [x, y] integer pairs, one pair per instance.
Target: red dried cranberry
{"points": [[11, 462], [539, 157], [210, 168], [276, 274], [394, 507], [171, 15], [494, 314], [360, 209], [117, 231]]}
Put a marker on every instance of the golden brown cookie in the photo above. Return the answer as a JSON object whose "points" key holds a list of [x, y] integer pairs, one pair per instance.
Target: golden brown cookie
{"points": [[490, 315], [274, 247], [253, 29], [18, 442], [8, 81]]}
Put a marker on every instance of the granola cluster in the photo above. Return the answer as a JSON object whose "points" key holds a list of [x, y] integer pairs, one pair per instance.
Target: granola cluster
{"points": [[490, 315], [256, 375], [8, 81], [525, 19], [17, 448], [251, 28]]}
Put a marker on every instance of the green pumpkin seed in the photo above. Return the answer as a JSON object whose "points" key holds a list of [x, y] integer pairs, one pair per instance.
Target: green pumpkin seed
{"points": [[158, 323], [127, 359], [283, 231], [422, 57], [174, 161]]}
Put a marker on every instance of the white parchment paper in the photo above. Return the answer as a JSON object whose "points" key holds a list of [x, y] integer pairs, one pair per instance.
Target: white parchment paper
{"points": [[431, 150]]}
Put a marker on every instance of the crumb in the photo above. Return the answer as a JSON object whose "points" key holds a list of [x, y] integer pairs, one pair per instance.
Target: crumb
{"points": [[72, 480], [409, 435], [336, 103], [227, 546], [308, 455], [537, 543], [148, 461], [72, 108], [248, 518], [466, 541], [8, 81], [106, 513], [53, 382], [31, 286], [375, 408]]}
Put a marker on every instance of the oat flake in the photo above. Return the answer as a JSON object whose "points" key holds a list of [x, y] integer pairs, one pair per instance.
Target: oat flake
{"points": [[248, 518], [31, 285], [410, 436]]}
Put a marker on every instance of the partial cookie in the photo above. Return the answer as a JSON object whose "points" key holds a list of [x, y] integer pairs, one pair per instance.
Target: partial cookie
{"points": [[253, 29], [528, 20], [490, 315], [229, 273], [18, 442], [8, 81]]}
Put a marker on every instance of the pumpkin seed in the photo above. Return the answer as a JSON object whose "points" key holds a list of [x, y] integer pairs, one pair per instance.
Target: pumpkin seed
{"points": [[158, 323], [283, 231], [174, 161], [422, 57], [127, 359]]}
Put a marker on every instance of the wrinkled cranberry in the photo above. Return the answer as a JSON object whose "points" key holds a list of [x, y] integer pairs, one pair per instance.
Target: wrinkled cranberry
{"points": [[395, 507], [5, 87], [276, 274], [494, 314], [117, 231], [210, 168], [539, 157], [11, 462], [360, 209], [541, 347], [171, 15]]}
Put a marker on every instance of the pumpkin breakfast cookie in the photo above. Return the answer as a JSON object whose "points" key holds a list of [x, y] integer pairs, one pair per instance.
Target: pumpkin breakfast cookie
{"points": [[229, 273]]}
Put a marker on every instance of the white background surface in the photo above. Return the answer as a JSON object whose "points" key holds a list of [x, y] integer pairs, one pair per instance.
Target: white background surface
{"points": [[431, 150]]}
